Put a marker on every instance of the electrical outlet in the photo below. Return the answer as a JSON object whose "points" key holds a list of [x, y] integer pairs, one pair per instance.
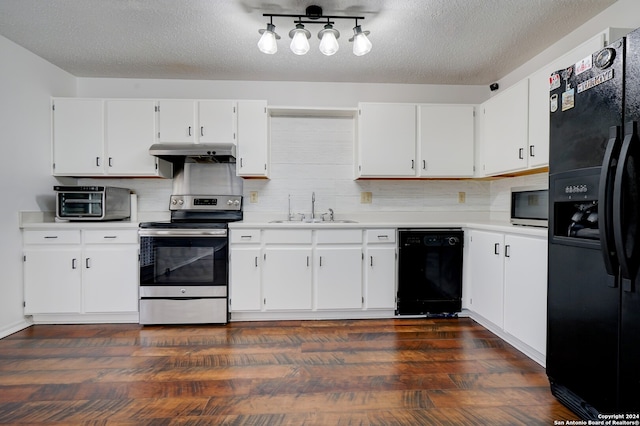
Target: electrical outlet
{"points": [[253, 196], [462, 197], [365, 197]]}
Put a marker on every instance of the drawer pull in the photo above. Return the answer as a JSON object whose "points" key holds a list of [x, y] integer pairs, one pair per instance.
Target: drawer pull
{"points": [[50, 237], [112, 237], [383, 237], [246, 237]]}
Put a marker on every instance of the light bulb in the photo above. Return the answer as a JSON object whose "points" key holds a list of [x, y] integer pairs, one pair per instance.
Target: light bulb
{"points": [[361, 43], [329, 43], [267, 43], [299, 40]]}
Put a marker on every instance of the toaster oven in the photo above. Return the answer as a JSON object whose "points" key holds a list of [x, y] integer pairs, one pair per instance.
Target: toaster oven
{"points": [[92, 203]]}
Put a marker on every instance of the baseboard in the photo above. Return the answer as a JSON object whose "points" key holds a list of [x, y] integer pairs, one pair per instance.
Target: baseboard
{"points": [[15, 327]]}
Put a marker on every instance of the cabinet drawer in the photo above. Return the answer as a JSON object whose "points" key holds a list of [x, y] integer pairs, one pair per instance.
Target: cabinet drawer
{"points": [[115, 236], [381, 236], [287, 236], [61, 236], [339, 236], [245, 236]]}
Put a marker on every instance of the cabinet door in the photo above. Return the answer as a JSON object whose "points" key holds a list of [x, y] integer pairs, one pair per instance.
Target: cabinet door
{"points": [[130, 131], [525, 290], [486, 272], [110, 278], [506, 117], [78, 137], [244, 284], [52, 280], [217, 121], [446, 140], [380, 277], [253, 139], [387, 140], [287, 278], [339, 278], [177, 121]]}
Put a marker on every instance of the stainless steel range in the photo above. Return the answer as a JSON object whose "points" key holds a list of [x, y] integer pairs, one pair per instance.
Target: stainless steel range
{"points": [[184, 263]]}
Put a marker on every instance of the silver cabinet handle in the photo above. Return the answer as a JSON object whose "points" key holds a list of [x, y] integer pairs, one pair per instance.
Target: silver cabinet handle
{"points": [[507, 250], [531, 151], [246, 237], [521, 153], [87, 262], [110, 237], [201, 130], [256, 261], [320, 260], [496, 248], [50, 237], [383, 237], [371, 260], [97, 161], [74, 263], [412, 164], [307, 260], [189, 130], [110, 161], [424, 164]]}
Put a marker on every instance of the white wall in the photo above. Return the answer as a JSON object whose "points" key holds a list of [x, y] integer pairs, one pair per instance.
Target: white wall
{"points": [[26, 84], [279, 93]]}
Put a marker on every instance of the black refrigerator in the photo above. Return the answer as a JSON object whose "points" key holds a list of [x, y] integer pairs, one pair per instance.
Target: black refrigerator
{"points": [[593, 310]]}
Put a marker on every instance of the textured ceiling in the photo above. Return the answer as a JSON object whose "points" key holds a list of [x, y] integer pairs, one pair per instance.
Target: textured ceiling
{"points": [[414, 41]]}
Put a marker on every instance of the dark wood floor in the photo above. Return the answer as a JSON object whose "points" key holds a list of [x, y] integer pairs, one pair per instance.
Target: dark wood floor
{"points": [[369, 372]]}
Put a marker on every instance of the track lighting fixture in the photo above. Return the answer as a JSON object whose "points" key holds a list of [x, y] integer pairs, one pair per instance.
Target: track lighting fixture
{"points": [[300, 35]]}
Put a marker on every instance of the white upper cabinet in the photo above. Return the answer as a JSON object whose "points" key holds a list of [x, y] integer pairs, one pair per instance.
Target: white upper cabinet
{"points": [[446, 139], [190, 121], [78, 137], [387, 140], [96, 137], [506, 131], [130, 130], [419, 141], [252, 155]]}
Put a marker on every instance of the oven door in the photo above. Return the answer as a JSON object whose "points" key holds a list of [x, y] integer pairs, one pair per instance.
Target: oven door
{"points": [[183, 276]]}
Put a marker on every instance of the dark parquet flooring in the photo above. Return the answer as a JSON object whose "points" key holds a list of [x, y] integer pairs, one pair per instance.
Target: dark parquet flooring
{"points": [[354, 372]]}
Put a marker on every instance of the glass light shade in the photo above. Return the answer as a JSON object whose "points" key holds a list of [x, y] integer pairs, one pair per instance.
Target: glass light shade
{"points": [[300, 40], [361, 43], [267, 43], [329, 43]]}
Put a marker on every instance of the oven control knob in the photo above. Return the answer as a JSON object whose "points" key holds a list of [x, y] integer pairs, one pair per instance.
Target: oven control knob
{"points": [[174, 201], [229, 202], [183, 290], [236, 203], [181, 201]]}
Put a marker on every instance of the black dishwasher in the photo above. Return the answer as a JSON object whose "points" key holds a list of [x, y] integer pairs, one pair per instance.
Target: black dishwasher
{"points": [[430, 272]]}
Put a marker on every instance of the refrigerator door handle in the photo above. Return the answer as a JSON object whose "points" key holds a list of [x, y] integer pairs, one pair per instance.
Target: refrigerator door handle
{"points": [[626, 199], [605, 197]]}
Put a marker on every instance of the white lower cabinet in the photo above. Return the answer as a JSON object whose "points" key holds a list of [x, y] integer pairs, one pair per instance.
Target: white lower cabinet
{"points": [[80, 272], [380, 269], [338, 260], [287, 278], [312, 273], [525, 292], [508, 280]]}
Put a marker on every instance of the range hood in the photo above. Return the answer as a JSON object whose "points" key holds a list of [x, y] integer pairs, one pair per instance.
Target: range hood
{"points": [[207, 152]]}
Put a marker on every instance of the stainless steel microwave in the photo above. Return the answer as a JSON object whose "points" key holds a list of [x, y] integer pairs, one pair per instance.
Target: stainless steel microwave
{"points": [[79, 203], [530, 206]]}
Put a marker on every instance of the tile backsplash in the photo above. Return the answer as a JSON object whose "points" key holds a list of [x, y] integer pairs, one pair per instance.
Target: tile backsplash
{"points": [[316, 155]]}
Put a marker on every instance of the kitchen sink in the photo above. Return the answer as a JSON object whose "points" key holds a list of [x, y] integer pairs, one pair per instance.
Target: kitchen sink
{"points": [[307, 221]]}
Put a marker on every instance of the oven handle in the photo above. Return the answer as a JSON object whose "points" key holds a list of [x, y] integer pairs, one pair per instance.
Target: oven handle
{"points": [[216, 233]]}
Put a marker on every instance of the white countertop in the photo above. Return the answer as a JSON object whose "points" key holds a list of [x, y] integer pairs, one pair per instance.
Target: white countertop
{"points": [[46, 220]]}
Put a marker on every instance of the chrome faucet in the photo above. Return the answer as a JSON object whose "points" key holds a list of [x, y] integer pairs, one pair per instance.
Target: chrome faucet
{"points": [[313, 205]]}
